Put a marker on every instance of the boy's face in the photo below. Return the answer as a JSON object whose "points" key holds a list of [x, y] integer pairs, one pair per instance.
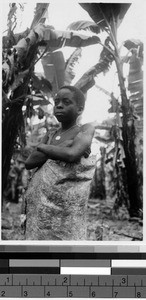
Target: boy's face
{"points": [[66, 109]]}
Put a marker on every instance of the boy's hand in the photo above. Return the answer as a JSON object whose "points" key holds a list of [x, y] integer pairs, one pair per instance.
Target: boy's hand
{"points": [[87, 152], [40, 146]]}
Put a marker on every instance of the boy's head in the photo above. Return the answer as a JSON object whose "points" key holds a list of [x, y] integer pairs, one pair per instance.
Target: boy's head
{"points": [[69, 103], [77, 94]]}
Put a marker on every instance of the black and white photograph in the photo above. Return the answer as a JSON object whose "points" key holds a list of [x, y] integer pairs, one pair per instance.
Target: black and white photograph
{"points": [[72, 121]]}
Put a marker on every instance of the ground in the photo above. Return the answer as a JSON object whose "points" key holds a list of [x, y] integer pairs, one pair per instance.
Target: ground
{"points": [[103, 223], [107, 225]]}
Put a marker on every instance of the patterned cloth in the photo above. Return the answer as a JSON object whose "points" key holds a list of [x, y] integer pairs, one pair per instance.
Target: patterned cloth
{"points": [[56, 200]]}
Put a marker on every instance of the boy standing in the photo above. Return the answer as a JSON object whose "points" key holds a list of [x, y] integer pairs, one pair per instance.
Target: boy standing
{"points": [[58, 192]]}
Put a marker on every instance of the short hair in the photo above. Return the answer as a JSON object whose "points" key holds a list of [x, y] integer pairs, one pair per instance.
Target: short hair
{"points": [[78, 94]]}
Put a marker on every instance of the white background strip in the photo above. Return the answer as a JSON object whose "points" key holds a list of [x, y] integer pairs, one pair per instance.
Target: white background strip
{"points": [[123, 263], [86, 271]]}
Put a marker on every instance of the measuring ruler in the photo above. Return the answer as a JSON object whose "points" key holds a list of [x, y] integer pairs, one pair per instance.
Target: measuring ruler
{"points": [[72, 286], [69, 274]]}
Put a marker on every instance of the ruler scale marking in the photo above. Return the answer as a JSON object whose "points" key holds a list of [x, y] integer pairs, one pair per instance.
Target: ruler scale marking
{"points": [[120, 285]]}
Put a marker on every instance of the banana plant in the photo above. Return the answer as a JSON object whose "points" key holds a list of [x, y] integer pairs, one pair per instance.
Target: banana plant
{"points": [[135, 88], [19, 60], [108, 17]]}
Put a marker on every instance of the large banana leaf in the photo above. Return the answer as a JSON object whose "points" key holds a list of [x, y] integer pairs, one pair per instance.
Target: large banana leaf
{"points": [[135, 76], [101, 13], [57, 39], [50, 38], [134, 43], [84, 25], [135, 81], [104, 14], [57, 71], [87, 79], [70, 65], [40, 14], [106, 57], [54, 66]]}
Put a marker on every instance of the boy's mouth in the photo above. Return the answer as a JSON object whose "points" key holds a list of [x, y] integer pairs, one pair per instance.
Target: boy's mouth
{"points": [[59, 113]]}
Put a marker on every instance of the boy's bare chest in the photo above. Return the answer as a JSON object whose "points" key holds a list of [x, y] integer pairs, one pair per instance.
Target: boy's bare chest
{"points": [[60, 137]]}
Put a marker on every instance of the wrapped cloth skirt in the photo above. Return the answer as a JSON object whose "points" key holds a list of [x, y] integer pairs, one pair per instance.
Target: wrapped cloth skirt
{"points": [[56, 201]]}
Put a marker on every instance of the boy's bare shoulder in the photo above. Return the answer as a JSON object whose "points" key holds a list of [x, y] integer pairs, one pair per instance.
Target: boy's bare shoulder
{"points": [[88, 127]]}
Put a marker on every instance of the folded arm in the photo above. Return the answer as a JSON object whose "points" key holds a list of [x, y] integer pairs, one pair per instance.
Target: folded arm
{"points": [[37, 158], [68, 153], [73, 153]]}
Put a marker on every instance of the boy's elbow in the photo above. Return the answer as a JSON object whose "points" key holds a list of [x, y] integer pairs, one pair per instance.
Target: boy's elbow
{"points": [[27, 166], [72, 157]]}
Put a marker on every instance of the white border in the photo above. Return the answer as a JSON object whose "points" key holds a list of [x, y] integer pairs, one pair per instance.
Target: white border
{"points": [[141, 245]]}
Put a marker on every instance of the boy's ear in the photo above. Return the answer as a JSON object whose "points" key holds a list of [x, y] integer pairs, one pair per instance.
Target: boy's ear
{"points": [[80, 110]]}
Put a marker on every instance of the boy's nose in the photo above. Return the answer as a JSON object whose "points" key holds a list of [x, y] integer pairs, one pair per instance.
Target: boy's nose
{"points": [[59, 104]]}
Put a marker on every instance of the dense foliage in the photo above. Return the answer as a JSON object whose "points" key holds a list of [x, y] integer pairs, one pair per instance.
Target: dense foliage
{"points": [[22, 87]]}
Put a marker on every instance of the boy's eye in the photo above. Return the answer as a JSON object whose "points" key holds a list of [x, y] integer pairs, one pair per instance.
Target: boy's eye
{"points": [[66, 101], [56, 101]]}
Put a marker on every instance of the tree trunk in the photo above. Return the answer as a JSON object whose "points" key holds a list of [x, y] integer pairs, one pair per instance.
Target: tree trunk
{"points": [[128, 133], [98, 189], [131, 167], [12, 122], [13, 118]]}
